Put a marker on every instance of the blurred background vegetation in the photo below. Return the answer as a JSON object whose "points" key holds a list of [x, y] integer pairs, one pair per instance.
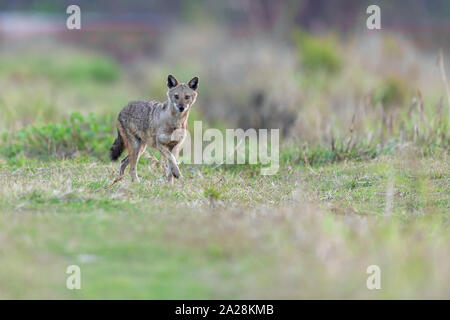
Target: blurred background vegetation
{"points": [[310, 68]]}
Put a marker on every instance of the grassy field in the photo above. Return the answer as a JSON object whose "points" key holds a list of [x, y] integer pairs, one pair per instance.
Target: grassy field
{"points": [[304, 233], [364, 178]]}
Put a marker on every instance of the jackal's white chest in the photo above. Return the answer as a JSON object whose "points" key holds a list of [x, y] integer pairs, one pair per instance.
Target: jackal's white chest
{"points": [[172, 138]]}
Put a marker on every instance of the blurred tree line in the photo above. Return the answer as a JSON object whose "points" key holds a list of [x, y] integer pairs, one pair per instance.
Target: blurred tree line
{"points": [[418, 19], [266, 13]]}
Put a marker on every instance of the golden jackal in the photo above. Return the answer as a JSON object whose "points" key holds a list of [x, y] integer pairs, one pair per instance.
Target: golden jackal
{"points": [[154, 123]]}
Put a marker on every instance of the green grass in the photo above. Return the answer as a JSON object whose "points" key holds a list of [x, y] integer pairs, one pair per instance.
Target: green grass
{"points": [[67, 67], [370, 191], [304, 233], [420, 190]]}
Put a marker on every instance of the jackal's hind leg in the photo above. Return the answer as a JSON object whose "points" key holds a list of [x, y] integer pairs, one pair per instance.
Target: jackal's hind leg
{"points": [[123, 165], [137, 149], [169, 175]]}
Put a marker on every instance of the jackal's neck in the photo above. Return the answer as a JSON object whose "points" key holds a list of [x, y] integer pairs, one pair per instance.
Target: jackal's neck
{"points": [[177, 119]]}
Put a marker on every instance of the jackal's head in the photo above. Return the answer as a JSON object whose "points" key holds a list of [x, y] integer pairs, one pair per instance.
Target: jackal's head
{"points": [[181, 95]]}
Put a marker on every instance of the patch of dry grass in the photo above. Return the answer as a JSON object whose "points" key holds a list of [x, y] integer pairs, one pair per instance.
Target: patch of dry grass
{"points": [[300, 234]]}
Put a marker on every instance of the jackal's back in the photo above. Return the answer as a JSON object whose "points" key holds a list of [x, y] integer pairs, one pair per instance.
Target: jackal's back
{"points": [[140, 115]]}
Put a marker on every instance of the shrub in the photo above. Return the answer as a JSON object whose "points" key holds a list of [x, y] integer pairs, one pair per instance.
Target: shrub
{"points": [[317, 54], [88, 136], [391, 92]]}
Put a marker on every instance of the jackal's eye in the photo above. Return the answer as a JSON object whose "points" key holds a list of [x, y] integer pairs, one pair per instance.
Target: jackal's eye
{"points": [[186, 97], [176, 96]]}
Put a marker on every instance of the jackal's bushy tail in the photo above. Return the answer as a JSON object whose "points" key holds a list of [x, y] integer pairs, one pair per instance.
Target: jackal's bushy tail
{"points": [[117, 148]]}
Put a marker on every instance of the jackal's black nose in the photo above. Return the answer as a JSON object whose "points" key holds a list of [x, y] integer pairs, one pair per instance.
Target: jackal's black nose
{"points": [[181, 108]]}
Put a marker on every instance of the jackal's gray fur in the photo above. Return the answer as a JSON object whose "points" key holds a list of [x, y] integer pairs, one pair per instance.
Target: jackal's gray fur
{"points": [[161, 125]]}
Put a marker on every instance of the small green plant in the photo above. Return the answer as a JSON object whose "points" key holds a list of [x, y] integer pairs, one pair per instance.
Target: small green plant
{"points": [[317, 53], [211, 193], [391, 92]]}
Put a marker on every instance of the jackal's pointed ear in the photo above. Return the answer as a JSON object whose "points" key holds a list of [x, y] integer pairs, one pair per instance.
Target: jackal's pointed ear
{"points": [[171, 81], [193, 83]]}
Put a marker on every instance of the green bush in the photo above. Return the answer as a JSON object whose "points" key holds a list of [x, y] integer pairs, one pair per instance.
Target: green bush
{"points": [[391, 92], [317, 54], [86, 136]]}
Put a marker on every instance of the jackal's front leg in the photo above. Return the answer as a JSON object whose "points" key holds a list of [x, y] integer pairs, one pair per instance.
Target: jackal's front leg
{"points": [[175, 151], [172, 162]]}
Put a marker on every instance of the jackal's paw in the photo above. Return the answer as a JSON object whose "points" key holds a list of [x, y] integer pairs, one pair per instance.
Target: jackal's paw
{"points": [[176, 173], [135, 179]]}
